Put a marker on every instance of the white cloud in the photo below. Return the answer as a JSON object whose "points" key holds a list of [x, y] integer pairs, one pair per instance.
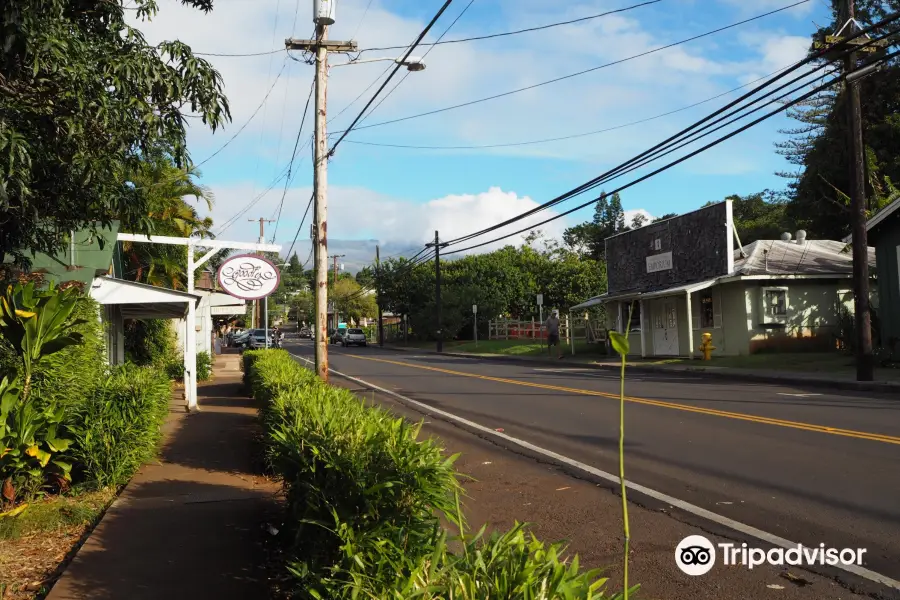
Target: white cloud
{"points": [[358, 213], [631, 214]]}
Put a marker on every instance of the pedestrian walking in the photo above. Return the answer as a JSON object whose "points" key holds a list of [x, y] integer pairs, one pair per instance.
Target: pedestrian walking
{"points": [[552, 326]]}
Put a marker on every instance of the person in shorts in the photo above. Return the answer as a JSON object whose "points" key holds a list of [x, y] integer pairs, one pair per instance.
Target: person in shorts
{"points": [[552, 326]]}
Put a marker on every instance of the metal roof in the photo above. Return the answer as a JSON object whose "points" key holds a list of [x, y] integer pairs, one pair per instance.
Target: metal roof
{"points": [[92, 256], [811, 257]]}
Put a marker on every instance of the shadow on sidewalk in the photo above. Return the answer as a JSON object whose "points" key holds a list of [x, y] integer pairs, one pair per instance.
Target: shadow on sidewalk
{"points": [[192, 524]]}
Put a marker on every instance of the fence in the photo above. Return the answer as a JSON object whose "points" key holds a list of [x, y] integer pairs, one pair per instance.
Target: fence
{"points": [[509, 329]]}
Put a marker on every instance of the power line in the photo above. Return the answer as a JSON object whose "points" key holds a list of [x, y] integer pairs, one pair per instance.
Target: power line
{"points": [[405, 270], [446, 31], [244, 126], [585, 71], [673, 139], [573, 136], [518, 31], [362, 20], [240, 55], [724, 138], [287, 180], [394, 72], [252, 203], [303, 220]]}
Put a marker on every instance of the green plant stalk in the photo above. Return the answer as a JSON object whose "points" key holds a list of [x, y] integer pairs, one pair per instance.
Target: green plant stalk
{"points": [[622, 468]]}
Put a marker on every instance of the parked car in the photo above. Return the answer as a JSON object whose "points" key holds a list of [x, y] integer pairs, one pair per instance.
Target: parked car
{"points": [[239, 340], [305, 332], [256, 339], [337, 336], [354, 337]]}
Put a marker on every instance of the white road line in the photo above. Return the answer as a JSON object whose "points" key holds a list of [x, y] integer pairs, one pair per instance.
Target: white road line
{"points": [[670, 500], [798, 395]]}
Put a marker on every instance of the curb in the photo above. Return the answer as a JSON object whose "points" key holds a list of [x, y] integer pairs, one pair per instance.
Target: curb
{"points": [[859, 386]]}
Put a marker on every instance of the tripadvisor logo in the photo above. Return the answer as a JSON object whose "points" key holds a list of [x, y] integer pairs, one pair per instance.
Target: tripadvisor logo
{"points": [[696, 555]]}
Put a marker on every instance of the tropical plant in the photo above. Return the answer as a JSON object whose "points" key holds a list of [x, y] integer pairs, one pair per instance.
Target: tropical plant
{"points": [[622, 347], [84, 98], [117, 428], [36, 324]]}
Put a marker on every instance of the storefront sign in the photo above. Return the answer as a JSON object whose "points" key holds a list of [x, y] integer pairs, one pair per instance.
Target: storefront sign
{"points": [[249, 277], [659, 262]]}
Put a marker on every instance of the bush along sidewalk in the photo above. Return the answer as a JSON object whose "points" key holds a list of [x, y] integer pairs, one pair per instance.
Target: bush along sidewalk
{"points": [[365, 498], [72, 430]]}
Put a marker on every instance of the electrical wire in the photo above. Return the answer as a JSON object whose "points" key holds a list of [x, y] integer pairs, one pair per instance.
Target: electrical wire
{"points": [[252, 203], [362, 20], [408, 73], [306, 212], [528, 30], [287, 180], [573, 136], [582, 72], [240, 55], [244, 126], [394, 72], [724, 138], [405, 270], [670, 140]]}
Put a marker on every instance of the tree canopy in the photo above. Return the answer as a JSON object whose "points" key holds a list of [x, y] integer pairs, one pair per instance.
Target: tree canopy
{"points": [[83, 100]]}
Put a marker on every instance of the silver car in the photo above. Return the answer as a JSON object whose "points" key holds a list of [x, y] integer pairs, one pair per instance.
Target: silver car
{"points": [[257, 339], [354, 337]]}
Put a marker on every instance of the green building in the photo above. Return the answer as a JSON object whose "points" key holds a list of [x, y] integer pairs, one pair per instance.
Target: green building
{"points": [[884, 234]]}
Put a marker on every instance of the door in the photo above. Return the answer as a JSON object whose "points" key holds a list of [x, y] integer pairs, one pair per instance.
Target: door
{"points": [[665, 330]]}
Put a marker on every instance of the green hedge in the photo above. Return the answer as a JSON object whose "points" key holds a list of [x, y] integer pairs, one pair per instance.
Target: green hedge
{"points": [[118, 427], [366, 497]]}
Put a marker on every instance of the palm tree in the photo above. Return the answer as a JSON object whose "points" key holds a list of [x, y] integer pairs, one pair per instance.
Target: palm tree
{"points": [[165, 188]]}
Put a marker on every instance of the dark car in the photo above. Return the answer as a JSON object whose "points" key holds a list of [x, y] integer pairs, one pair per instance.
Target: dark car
{"points": [[305, 332]]}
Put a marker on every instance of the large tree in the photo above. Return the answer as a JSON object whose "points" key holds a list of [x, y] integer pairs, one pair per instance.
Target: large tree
{"points": [[83, 99], [589, 238], [819, 146]]}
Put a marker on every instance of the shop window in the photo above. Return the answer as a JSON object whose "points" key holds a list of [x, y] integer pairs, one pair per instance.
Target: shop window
{"points": [[707, 318], [635, 309]]}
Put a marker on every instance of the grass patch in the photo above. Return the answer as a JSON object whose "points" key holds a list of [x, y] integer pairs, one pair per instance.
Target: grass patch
{"points": [[36, 545]]}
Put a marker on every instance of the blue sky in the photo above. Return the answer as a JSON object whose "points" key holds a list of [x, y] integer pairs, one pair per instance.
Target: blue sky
{"points": [[399, 196]]}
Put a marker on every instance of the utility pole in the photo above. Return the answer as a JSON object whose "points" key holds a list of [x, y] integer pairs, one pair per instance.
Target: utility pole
{"points": [[257, 314], [323, 16], [865, 359], [334, 303], [437, 288], [378, 295]]}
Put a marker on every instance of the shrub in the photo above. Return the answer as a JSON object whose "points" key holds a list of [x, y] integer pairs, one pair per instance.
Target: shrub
{"points": [[118, 427], [150, 342], [365, 499], [204, 366]]}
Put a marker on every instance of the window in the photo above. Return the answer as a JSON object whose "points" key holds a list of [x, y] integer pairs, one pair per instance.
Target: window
{"points": [[707, 313], [775, 305], [776, 302], [635, 309]]}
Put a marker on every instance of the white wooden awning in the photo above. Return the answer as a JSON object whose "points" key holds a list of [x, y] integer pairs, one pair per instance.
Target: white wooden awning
{"points": [[141, 301], [674, 291]]}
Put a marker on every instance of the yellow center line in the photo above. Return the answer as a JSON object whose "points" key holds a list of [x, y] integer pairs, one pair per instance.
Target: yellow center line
{"points": [[875, 437]]}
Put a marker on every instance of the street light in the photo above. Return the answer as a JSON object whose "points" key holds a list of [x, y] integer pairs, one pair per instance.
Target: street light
{"points": [[412, 63]]}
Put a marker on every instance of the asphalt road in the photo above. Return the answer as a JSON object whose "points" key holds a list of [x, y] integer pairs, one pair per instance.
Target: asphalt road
{"points": [[808, 465]]}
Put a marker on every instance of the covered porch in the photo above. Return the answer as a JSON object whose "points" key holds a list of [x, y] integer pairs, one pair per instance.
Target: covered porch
{"points": [[660, 323], [122, 300]]}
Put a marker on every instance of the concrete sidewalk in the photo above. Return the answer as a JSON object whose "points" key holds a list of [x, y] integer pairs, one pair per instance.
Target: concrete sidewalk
{"points": [[697, 368], [190, 525]]}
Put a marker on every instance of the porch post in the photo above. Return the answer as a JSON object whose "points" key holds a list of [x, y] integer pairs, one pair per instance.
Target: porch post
{"points": [[569, 333], [690, 324], [190, 339], [643, 323]]}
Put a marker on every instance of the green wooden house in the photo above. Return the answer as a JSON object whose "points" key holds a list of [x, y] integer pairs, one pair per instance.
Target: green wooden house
{"points": [[884, 234]]}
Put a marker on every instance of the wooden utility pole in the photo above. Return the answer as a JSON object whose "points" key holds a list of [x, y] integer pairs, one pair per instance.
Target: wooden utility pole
{"points": [[257, 316], [378, 295], [321, 46], [437, 288], [335, 257], [865, 359]]}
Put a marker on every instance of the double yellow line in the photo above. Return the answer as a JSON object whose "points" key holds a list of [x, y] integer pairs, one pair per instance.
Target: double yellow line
{"points": [[874, 437]]}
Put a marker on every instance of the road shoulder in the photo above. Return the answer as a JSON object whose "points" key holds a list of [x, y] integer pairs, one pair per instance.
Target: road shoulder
{"points": [[508, 486]]}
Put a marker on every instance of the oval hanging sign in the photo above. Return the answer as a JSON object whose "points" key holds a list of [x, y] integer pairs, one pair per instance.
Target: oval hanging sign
{"points": [[249, 277]]}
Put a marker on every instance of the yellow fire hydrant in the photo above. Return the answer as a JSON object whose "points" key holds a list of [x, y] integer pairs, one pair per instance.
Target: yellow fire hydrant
{"points": [[706, 347]]}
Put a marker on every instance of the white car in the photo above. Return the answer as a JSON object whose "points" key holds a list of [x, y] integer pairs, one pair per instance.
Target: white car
{"points": [[354, 337]]}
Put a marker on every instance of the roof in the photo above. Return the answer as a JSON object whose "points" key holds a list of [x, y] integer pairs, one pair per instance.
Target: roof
{"points": [[811, 257], [141, 301], [680, 289], [88, 260], [883, 214]]}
